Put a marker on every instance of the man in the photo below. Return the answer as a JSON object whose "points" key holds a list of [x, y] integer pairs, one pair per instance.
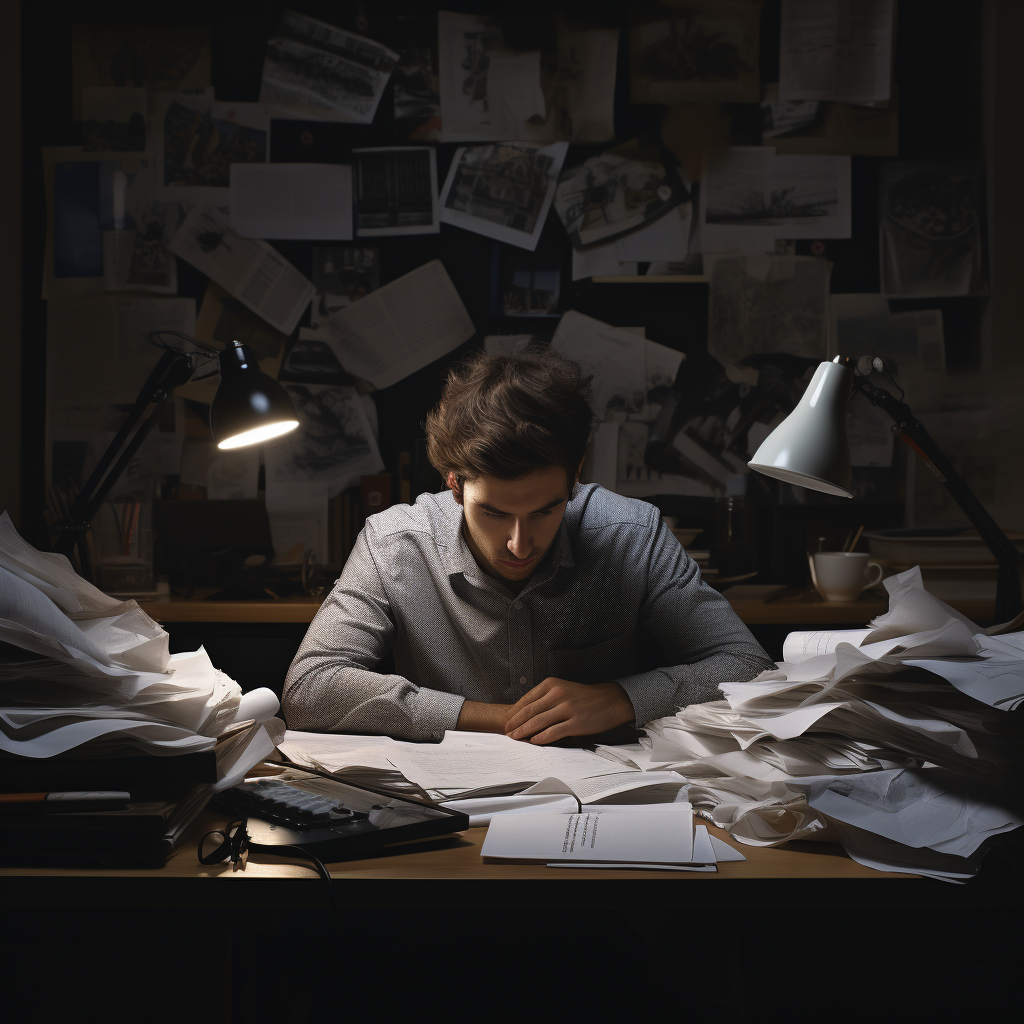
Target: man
{"points": [[516, 601]]}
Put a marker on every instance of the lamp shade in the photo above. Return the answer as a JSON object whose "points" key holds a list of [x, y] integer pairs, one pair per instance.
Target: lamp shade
{"points": [[809, 447], [249, 406]]}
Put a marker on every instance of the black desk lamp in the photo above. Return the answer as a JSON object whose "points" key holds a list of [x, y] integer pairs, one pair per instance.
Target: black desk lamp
{"points": [[810, 449], [249, 407]]}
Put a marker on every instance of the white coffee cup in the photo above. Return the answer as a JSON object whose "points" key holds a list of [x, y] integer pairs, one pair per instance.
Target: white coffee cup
{"points": [[843, 575]]}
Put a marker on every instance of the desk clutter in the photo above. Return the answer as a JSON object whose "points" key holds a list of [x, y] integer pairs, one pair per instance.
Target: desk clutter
{"points": [[90, 699], [898, 741]]}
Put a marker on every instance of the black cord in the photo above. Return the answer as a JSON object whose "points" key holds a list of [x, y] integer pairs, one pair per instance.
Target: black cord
{"points": [[299, 851]]}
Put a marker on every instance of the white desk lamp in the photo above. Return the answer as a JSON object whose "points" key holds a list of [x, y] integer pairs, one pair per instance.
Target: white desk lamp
{"points": [[810, 449]]}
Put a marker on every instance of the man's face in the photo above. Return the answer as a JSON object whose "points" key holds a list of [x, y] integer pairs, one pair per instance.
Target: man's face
{"points": [[510, 524]]}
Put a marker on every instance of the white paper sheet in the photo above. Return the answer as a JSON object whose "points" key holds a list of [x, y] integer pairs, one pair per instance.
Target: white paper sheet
{"points": [[252, 271], [401, 327], [662, 835], [437, 767], [318, 72], [839, 50], [310, 201], [614, 355]]}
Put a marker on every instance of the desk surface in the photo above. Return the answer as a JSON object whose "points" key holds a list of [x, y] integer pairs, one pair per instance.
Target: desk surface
{"points": [[755, 605], [446, 870]]}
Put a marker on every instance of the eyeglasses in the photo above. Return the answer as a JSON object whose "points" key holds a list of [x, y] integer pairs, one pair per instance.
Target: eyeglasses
{"points": [[230, 842]]}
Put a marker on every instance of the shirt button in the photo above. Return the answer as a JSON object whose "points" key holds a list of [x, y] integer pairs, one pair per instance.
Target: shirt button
{"points": [[518, 605], [522, 680]]}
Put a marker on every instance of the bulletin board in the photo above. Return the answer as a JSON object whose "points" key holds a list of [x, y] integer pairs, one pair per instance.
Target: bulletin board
{"points": [[938, 120]]}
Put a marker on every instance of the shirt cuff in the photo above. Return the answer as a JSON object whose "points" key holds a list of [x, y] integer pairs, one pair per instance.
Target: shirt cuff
{"points": [[646, 692], [435, 711]]}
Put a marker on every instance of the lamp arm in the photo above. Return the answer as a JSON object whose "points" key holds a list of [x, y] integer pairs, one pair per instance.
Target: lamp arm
{"points": [[173, 369], [912, 431]]}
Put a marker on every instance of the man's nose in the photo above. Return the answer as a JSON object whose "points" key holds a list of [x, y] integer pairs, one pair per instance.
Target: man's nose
{"points": [[520, 544]]}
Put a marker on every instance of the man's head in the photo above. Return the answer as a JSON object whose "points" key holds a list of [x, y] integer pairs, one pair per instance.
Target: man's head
{"points": [[508, 436]]}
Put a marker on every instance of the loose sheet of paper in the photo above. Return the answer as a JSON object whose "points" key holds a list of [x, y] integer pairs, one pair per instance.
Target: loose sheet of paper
{"points": [[662, 835], [252, 271], [311, 201], [437, 767], [839, 50], [401, 327]]}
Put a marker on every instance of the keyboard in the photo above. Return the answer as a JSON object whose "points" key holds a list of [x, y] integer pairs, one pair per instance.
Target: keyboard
{"points": [[336, 819], [285, 804]]}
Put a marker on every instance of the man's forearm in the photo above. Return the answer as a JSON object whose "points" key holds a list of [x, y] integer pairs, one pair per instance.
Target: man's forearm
{"points": [[478, 717]]}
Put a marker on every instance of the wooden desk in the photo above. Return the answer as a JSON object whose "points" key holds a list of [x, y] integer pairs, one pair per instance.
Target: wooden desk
{"points": [[755, 604]]}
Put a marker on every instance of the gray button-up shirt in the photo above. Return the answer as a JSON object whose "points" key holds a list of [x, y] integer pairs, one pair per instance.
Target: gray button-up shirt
{"points": [[414, 627]]}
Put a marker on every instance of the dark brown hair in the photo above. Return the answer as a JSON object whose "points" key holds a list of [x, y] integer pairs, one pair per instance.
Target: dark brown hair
{"points": [[505, 416]]}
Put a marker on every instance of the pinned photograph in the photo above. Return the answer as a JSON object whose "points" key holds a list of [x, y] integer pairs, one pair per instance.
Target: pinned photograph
{"points": [[750, 197], [765, 304], [198, 140], [114, 120], [706, 51], [153, 266], [341, 275], [395, 191], [503, 191], [316, 71], [930, 229], [157, 58], [614, 193]]}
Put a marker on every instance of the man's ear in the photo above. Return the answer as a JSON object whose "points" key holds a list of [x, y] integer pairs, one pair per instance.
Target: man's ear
{"points": [[453, 484]]}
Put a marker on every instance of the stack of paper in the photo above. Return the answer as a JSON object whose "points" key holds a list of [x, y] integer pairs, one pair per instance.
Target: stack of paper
{"points": [[102, 682], [657, 837], [892, 739]]}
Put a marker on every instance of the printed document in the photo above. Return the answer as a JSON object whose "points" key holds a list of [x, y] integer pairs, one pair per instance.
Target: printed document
{"points": [[401, 327], [839, 50], [662, 835], [256, 274]]}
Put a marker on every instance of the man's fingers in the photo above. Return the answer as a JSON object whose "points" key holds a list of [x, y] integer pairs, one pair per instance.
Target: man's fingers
{"points": [[556, 732], [540, 721], [543, 702]]}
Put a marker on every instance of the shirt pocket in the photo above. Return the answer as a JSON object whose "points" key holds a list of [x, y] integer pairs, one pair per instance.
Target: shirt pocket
{"points": [[601, 663]]}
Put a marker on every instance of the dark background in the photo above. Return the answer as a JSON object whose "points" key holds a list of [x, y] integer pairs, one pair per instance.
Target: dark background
{"points": [[937, 73]]}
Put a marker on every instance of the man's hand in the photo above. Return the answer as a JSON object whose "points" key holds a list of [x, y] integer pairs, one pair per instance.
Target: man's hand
{"points": [[557, 708], [476, 716]]}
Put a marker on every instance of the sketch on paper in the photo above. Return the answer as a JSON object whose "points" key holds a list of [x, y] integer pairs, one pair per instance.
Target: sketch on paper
{"points": [[706, 51], [333, 446], [152, 264], [930, 229], [761, 304], [313, 69], [503, 184]]}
